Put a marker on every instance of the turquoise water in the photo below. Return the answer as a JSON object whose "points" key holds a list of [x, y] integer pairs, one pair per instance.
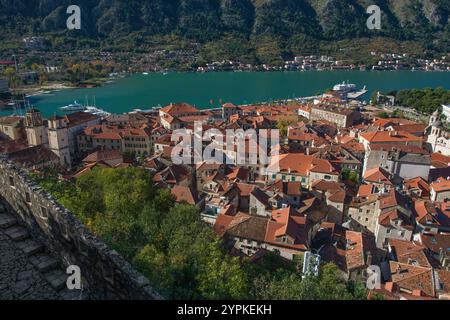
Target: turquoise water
{"points": [[202, 89]]}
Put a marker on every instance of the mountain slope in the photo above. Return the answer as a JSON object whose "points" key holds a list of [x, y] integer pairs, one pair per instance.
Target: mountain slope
{"points": [[205, 20]]}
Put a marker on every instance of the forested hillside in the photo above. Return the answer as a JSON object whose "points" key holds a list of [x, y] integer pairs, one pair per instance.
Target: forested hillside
{"points": [[209, 19]]}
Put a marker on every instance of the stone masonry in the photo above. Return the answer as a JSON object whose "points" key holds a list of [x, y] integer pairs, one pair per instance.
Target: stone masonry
{"points": [[27, 272], [40, 220]]}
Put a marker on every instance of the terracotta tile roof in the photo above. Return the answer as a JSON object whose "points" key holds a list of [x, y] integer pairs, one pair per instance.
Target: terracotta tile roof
{"points": [[439, 160], [386, 219], [174, 174], [390, 200], [301, 136], [338, 197], [378, 175], [354, 146], [77, 118], [436, 242], [354, 254], [443, 278], [108, 132], [390, 136], [297, 163], [409, 253], [366, 190], [222, 224], [190, 119], [184, 194], [431, 213], [33, 156], [229, 106], [288, 188], [245, 189], [179, 109], [239, 173], [269, 230], [398, 147], [413, 278], [104, 155], [286, 222], [411, 128], [324, 185], [10, 120], [248, 227], [402, 247], [417, 183], [441, 185], [391, 121], [345, 139]]}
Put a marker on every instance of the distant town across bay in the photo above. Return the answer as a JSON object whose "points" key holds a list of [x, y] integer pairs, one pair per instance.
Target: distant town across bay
{"points": [[209, 90]]}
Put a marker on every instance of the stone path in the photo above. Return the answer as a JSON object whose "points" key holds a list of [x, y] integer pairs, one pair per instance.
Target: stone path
{"points": [[26, 271]]}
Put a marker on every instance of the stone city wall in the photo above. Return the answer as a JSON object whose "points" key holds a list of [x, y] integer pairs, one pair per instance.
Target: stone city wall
{"points": [[106, 274]]}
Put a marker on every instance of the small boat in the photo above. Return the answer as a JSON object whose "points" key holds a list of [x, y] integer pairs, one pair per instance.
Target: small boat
{"points": [[145, 73], [73, 107]]}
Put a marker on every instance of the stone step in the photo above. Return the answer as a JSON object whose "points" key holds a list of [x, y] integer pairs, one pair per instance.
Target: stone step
{"points": [[57, 279], [7, 220], [30, 247], [17, 233], [43, 262]]}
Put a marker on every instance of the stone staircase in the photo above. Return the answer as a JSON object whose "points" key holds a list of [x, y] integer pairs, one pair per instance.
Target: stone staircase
{"points": [[47, 266]]}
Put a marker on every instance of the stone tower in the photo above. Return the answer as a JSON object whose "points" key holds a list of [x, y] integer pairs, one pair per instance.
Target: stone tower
{"points": [[58, 139], [35, 128], [434, 118]]}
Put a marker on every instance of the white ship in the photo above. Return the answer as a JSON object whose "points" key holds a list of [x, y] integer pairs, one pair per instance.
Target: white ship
{"points": [[345, 87], [73, 107], [96, 111], [350, 90]]}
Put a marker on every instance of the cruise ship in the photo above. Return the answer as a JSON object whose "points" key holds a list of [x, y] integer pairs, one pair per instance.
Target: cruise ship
{"points": [[345, 87], [350, 90]]}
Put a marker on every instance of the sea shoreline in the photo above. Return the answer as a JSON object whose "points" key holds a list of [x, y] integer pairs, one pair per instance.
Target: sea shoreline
{"points": [[58, 86]]}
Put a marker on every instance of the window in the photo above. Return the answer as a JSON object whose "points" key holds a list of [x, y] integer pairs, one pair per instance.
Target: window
{"points": [[11, 181], [27, 197], [44, 213]]}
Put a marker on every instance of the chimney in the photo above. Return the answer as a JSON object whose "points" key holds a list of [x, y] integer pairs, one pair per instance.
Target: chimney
{"points": [[417, 293], [369, 258], [389, 286]]}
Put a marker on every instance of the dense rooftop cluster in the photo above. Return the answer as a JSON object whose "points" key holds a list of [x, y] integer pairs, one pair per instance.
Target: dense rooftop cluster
{"points": [[353, 188]]}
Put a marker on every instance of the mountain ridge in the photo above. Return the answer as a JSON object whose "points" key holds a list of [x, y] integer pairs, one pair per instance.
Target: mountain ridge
{"points": [[208, 19]]}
